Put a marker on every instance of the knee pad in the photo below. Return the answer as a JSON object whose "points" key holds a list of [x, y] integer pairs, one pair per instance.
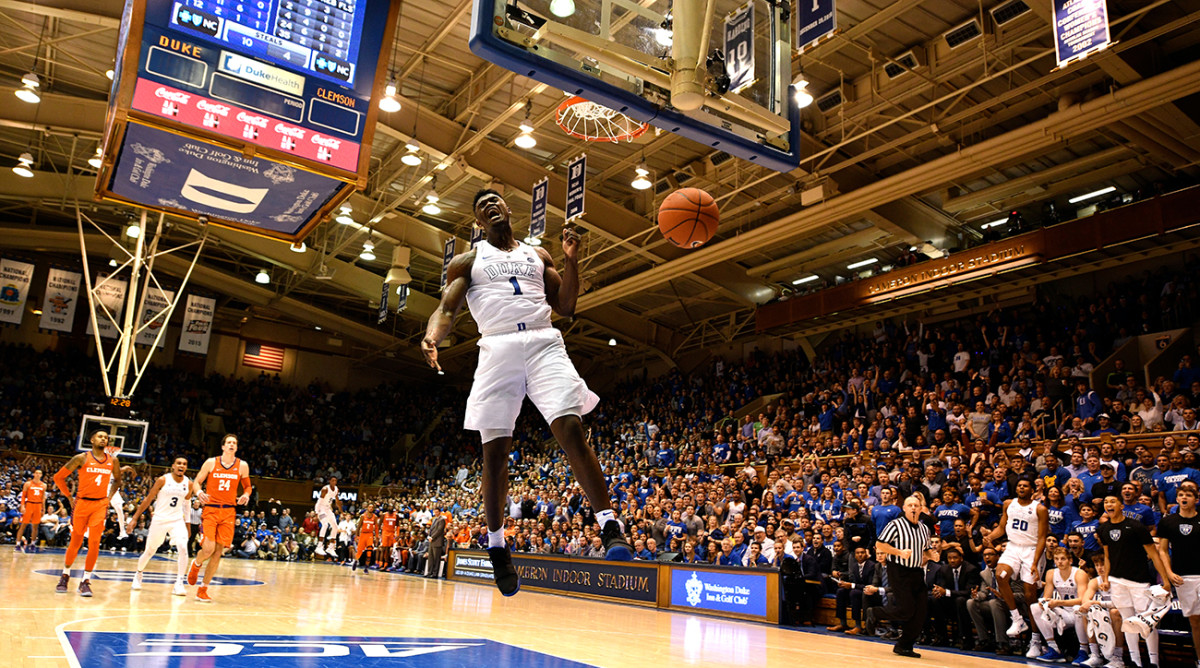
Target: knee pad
{"points": [[489, 435]]}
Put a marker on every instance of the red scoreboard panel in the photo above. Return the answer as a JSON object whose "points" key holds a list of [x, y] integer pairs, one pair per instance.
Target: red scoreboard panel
{"points": [[253, 114]]}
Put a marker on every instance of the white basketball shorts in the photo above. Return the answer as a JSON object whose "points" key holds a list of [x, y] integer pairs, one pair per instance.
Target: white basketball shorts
{"points": [[1020, 559], [1188, 595], [534, 363], [1130, 597]]}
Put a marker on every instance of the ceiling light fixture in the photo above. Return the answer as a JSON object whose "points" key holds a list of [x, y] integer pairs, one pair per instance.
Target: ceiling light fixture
{"points": [[299, 247], [562, 8], [28, 92], [664, 33], [1097, 193], [412, 158], [862, 263], [97, 161], [24, 166], [368, 251], [388, 102], [262, 277], [806, 279], [640, 182], [993, 223], [133, 231], [800, 92], [533, 241], [612, 342], [109, 73], [526, 139], [112, 263], [431, 208], [344, 216]]}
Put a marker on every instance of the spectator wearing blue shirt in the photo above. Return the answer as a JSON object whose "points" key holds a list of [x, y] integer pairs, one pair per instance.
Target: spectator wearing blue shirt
{"points": [[1087, 403], [985, 505], [738, 552], [1167, 482], [675, 527], [1053, 475], [886, 510], [1142, 513], [1060, 514], [1104, 426], [1085, 526], [666, 456], [1090, 477], [999, 430], [950, 510], [727, 557], [721, 450]]}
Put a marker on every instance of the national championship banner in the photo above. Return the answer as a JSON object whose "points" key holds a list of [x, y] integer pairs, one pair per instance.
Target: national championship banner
{"points": [[576, 186], [111, 293], [383, 305], [447, 255], [14, 289], [58, 306], [197, 324], [537, 210], [1080, 27], [154, 316], [817, 18], [739, 48]]}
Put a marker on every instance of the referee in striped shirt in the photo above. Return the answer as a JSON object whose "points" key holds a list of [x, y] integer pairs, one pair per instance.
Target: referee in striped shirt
{"points": [[905, 543]]}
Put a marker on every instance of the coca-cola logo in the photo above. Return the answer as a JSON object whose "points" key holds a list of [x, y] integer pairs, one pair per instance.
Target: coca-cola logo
{"points": [[213, 107], [327, 142], [172, 95], [251, 119], [297, 133]]}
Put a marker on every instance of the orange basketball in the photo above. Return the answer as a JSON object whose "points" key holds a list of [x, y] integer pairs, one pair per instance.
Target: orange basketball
{"points": [[688, 217]]}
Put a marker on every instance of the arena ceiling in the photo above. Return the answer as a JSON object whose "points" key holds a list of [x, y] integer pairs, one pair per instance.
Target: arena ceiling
{"points": [[910, 156]]}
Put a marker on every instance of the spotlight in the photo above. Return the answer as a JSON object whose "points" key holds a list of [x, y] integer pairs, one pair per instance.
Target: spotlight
{"points": [[112, 263], [109, 73], [800, 92], [343, 216], [640, 182], [389, 103], [133, 231], [262, 277], [299, 247], [28, 90], [664, 34], [525, 140], [412, 158], [562, 8], [368, 251], [97, 161], [612, 342], [533, 241], [431, 208], [24, 165]]}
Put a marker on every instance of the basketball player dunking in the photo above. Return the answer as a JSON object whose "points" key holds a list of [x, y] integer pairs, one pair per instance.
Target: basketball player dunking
{"points": [[33, 503], [510, 289], [170, 495], [221, 476], [326, 501], [99, 478]]}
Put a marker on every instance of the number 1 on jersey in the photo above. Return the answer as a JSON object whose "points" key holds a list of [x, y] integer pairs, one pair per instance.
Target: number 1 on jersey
{"points": [[515, 284]]}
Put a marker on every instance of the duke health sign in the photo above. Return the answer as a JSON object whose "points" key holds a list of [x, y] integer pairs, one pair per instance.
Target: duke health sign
{"points": [[738, 593]]}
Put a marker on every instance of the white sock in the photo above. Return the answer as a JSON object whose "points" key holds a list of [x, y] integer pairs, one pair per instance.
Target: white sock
{"points": [[87, 575], [604, 516], [1135, 650], [1152, 646], [1095, 647], [1016, 614], [1035, 638], [66, 571], [1053, 644], [496, 538]]}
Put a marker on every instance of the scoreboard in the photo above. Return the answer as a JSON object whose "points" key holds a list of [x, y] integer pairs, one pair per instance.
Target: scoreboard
{"points": [[253, 114]]}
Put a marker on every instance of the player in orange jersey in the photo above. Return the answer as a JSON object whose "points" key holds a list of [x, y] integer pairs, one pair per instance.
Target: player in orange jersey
{"points": [[368, 530], [220, 477], [388, 522], [99, 477], [33, 504]]}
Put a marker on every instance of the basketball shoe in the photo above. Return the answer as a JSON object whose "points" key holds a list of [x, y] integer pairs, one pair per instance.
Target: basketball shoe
{"points": [[616, 548], [137, 582], [202, 595], [505, 574], [193, 572]]}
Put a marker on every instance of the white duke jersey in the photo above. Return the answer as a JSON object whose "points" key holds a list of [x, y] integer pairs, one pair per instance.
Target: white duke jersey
{"points": [[326, 502], [508, 290], [171, 501], [1022, 526], [1065, 588]]}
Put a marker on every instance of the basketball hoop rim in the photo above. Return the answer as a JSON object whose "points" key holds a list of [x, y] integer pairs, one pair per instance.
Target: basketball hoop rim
{"points": [[616, 138]]}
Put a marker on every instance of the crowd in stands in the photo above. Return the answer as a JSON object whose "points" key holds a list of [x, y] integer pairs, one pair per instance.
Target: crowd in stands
{"points": [[956, 411]]}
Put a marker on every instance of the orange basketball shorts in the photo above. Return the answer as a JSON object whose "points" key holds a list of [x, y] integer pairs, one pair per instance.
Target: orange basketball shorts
{"points": [[217, 524], [33, 513]]}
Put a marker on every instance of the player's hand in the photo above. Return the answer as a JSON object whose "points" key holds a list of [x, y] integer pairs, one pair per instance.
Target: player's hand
{"points": [[243, 499], [203, 496], [1176, 580], [130, 525], [1103, 584], [570, 242], [429, 350]]}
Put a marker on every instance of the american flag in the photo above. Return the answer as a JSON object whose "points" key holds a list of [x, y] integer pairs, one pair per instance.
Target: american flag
{"points": [[263, 356]]}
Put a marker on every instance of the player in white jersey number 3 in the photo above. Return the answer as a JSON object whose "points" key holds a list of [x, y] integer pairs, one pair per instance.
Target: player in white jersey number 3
{"points": [[171, 495], [510, 289]]}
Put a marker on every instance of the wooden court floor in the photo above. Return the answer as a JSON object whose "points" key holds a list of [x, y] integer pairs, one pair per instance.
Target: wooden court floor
{"points": [[275, 615]]}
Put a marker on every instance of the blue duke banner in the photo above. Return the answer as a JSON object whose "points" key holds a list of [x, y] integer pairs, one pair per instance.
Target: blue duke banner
{"points": [[576, 186], [537, 210], [476, 236], [14, 289], [1080, 27], [447, 255], [739, 48], [816, 19], [402, 298], [383, 305], [58, 306]]}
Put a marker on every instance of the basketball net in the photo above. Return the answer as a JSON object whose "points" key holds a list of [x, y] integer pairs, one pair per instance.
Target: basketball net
{"points": [[589, 121]]}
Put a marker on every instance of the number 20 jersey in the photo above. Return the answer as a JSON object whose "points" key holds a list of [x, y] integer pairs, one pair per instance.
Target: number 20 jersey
{"points": [[508, 290]]}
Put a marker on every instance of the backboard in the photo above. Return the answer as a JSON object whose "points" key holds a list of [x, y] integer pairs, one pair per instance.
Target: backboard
{"points": [[129, 435], [653, 61]]}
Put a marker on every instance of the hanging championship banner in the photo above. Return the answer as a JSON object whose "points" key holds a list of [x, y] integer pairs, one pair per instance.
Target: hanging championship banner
{"points": [[739, 48], [402, 298], [817, 18], [1080, 27], [58, 306], [14, 289], [383, 300], [537, 211], [447, 255], [110, 292], [197, 324], [154, 315], [476, 236], [576, 186]]}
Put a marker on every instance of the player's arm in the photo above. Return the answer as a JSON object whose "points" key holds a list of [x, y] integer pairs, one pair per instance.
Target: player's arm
{"points": [[24, 493], [60, 478], [1159, 565], [150, 496], [1048, 587], [1107, 569], [244, 478], [1043, 532], [562, 290], [202, 475], [441, 321], [1164, 553]]}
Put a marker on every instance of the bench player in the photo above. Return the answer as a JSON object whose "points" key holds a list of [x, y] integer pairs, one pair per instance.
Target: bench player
{"points": [[99, 478], [220, 476], [511, 289], [327, 500], [171, 495], [33, 504]]}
